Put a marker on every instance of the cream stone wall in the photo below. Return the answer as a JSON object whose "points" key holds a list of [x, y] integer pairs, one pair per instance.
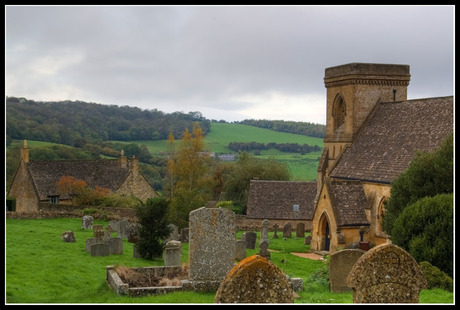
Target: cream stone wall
{"points": [[23, 190]]}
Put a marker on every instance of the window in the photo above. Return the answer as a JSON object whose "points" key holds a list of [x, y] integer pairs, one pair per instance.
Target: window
{"points": [[296, 207], [54, 199], [339, 112]]}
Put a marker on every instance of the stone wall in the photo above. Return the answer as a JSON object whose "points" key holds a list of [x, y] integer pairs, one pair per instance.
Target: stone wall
{"points": [[243, 223]]}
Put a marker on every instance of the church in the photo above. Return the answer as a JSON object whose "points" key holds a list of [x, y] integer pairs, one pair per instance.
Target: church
{"points": [[372, 134]]}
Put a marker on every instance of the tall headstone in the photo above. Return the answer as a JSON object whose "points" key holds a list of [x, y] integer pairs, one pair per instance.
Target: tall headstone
{"points": [[184, 235], [123, 229], [174, 235], [275, 231], [87, 222], [300, 230], [172, 253], [250, 238], [264, 252], [211, 245], [255, 280], [240, 250], [115, 245], [340, 264], [264, 232], [287, 230], [386, 274]]}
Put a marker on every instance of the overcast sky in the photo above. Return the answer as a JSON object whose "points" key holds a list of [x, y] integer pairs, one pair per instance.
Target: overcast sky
{"points": [[227, 62]]}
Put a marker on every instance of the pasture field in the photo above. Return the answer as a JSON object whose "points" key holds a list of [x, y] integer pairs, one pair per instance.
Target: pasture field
{"points": [[42, 269]]}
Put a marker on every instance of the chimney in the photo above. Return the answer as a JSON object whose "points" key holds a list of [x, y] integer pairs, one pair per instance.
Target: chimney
{"points": [[135, 164], [123, 161], [25, 152]]}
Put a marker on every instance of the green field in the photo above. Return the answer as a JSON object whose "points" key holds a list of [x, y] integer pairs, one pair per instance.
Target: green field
{"points": [[301, 167], [42, 269]]}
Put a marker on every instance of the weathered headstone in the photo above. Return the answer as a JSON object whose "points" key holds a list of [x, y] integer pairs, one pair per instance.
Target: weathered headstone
{"points": [[136, 253], [174, 235], [340, 264], [123, 229], [68, 236], [264, 252], [211, 246], [100, 249], [250, 238], [98, 231], [240, 250], [300, 230], [172, 253], [264, 232], [255, 280], [287, 230], [115, 245], [386, 274], [133, 234], [90, 242], [275, 231], [184, 235], [87, 222], [307, 240], [115, 225]]}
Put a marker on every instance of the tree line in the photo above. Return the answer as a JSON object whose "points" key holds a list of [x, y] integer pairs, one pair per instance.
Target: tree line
{"points": [[283, 147], [300, 128], [76, 123]]}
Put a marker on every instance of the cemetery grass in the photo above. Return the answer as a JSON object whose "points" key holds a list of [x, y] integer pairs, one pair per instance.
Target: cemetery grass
{"points": [[42, 269]]}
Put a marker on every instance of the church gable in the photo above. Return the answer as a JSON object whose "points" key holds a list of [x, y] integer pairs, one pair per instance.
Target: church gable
{"points": [[348, 201], [281, 200], [392, 135]]}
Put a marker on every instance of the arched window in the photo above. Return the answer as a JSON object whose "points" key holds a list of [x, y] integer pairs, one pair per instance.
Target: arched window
{"points": [[339, 111]]}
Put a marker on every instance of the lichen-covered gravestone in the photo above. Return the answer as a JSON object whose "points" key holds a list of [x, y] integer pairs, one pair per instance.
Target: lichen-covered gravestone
{"points": [[211, 247], [87, 222], [68, 236], [255, 280], [287, 230], [386, 274], [340, 264], [172, 253], [264, 232], [240, 250]]}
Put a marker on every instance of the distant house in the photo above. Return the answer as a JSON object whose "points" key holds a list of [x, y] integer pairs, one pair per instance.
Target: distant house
{"points": [[35, 181], [281, 201], [372, 134]]}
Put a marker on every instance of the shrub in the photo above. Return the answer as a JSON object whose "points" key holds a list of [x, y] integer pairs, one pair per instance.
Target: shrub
{"points": [[436, 278], [154, 228]]}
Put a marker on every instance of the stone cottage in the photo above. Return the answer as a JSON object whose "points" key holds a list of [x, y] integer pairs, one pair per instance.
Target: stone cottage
{"points": [[281, 202], [35, 181], [372, 134]]}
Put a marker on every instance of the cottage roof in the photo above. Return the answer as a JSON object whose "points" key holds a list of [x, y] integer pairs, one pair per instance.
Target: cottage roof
{"points": [[349, 202], [276, 199], [391, 136], [105, 173]]}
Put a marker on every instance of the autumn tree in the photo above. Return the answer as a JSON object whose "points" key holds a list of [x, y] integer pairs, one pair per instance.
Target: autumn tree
{"points": [[189, 175], [68, 185], [79, 192]]}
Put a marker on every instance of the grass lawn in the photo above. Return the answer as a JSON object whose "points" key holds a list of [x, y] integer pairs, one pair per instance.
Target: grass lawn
{"points": [[42, 269]]}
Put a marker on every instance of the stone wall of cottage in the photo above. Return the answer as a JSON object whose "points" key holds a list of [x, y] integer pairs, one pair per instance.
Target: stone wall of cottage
{"points": [[23, 190]]}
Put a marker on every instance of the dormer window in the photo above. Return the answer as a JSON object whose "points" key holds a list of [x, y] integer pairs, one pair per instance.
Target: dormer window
{"points": [[295, 207], [339, 112]]}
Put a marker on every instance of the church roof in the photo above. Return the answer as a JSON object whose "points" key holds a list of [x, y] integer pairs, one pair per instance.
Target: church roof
{"points": [[349, 202], [276, 200], [104, 173], [391, 136]]}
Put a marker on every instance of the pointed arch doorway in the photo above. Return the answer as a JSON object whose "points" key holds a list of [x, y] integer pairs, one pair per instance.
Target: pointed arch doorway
{"points": [[324, 230]]}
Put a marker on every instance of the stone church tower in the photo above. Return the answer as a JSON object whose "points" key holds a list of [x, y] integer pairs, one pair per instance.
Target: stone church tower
{"points": [[353, 90]]}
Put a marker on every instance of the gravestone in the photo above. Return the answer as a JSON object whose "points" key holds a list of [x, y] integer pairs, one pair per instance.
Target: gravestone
{"points": [[300, 230], [172, 253], [275, 231], [250, 238], [68, 236], [174, 235], [264, 232], [307, 240], [123, 229], [386, 274], [255, 280], [87, 222], [211, 247], [115, 245], [100, 249], [90, 242], [264, 252], [133, 234], [136, 253], [184, 235], [98, 231], [115, 225], [240, 250], [287, 230], [340, 264]]}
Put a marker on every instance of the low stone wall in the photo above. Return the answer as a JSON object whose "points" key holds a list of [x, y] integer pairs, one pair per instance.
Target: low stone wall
{"points": [[243, 223]]}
